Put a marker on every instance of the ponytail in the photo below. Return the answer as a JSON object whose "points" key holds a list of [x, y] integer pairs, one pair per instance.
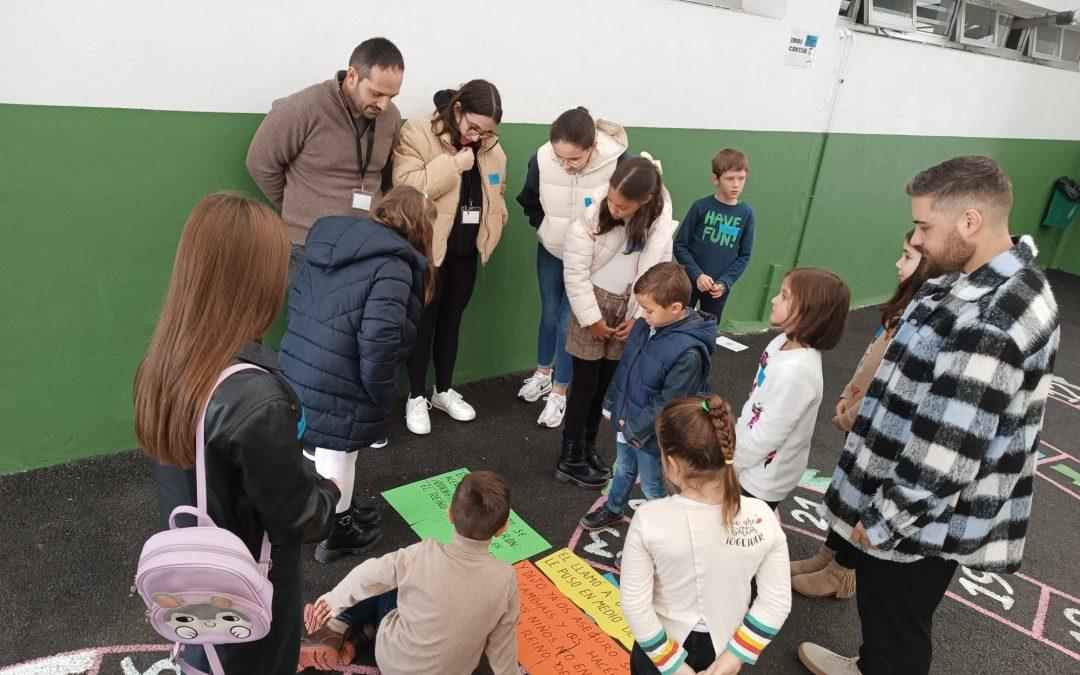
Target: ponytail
{"points": [[701, 433]]}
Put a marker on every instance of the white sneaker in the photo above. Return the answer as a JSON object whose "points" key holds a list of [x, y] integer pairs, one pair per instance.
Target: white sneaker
{"points": [[380, 444], [536, 386], [821, 661], [554, 410], [416, 415], [451, 403]]}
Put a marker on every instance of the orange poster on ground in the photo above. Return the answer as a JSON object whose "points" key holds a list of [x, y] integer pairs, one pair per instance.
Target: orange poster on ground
{"points": [[554, 636]]}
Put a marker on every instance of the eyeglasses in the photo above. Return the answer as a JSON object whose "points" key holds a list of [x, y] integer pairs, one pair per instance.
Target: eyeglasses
{"points": [[472, 129], [571, 164]]}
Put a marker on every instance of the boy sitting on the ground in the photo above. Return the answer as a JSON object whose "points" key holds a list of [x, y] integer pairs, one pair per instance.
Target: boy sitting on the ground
{"points": [[444, 604]]}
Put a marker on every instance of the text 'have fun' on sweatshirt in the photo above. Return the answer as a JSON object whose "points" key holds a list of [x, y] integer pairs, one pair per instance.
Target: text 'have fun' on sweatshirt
{"points": [[773, 434], [715, 239]]}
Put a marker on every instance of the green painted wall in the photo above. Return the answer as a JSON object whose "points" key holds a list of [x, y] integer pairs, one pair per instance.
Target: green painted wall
{"points": [[94, 200]]}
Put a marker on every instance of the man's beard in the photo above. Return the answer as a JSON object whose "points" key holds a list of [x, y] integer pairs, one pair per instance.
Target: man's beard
{"points": [[954, 256]]}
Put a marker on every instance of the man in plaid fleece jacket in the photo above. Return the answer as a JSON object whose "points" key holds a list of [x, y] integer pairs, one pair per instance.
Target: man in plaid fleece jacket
{"points": [[938, 468]]}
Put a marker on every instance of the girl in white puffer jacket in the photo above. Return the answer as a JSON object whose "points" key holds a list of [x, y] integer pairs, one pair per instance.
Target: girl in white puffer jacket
{"points": [[627, 229]]}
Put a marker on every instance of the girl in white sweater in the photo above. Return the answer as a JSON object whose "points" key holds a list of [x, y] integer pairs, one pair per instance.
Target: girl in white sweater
{"points": [[689, 559], [777, 421]]}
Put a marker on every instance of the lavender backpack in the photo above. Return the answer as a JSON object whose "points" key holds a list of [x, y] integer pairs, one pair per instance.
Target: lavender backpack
{"points": [[200, 584]]}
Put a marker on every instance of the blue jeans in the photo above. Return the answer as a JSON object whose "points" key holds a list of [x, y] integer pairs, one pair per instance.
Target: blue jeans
{"points": [[370, 611], [554, 318], [629, 464], [714, 306]]}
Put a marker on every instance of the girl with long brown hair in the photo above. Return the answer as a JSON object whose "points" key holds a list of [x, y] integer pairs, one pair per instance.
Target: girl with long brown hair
{"points": [[452, 155], [831, 571], [627, 229], [227, 287], [354, 314], [690, 558]]}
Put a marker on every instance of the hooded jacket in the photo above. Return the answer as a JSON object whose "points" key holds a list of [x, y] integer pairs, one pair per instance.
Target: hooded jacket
{"points": [[553, 198], [587, 251], [354, 314], [657, 368]]}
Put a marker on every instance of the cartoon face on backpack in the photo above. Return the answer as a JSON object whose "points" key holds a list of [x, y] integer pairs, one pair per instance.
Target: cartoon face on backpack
{"points": [[217, 617]]}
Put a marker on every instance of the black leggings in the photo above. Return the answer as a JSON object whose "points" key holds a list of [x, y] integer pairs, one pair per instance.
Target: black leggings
{"points": [[585, 404], [441, 323]]}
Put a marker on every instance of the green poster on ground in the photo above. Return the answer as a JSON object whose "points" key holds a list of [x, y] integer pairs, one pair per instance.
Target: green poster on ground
{"points": [[423, 505]]}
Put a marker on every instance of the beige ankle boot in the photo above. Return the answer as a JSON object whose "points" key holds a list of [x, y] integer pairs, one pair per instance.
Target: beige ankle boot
{"points": [[833, 580], [822, 558]]}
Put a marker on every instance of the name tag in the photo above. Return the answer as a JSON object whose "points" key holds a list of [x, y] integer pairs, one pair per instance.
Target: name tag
{"points": [[361, 199], [494, 178], [470, 216]]}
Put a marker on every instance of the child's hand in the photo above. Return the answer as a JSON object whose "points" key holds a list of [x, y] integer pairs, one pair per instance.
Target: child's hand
{"points": [[316, 615], [725, 664], [705, 283], [717, 290], [841, 407], [600, 331]]}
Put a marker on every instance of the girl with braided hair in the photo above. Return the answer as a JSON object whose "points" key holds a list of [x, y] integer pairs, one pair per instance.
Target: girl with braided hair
{"points": [[690, 558]]}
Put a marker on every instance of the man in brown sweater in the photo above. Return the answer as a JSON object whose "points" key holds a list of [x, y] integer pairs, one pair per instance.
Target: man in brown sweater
{"points": [[321, 151], [453, 601]]}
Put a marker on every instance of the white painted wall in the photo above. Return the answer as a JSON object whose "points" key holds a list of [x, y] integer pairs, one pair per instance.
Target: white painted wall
{"points": [[642, 62]]}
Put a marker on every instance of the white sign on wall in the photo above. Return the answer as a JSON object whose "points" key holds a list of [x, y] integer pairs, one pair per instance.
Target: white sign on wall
{"points": [[801, 48]]}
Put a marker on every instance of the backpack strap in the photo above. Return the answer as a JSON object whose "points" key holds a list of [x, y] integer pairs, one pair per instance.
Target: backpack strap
{"points": [[200, 466], [188, 669]]}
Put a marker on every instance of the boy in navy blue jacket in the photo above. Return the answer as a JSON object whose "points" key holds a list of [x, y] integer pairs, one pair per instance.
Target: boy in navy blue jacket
{"points": [[715, 238], [668, 355]]}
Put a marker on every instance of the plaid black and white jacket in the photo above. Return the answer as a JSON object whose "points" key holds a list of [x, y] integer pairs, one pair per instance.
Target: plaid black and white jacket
{"points": [[941, 459]]}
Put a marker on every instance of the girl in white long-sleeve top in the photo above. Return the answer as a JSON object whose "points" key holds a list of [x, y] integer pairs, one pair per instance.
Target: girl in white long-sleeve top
{"points": [[689, 559], [777, 421]]}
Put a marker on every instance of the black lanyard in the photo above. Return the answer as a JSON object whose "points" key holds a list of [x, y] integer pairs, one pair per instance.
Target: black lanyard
{"points": [[362, 159]]}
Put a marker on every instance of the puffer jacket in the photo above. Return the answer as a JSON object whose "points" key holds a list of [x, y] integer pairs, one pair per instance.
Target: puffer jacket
{"points": [[565, 196], [642, 386], [586, 252], [426, 162], [354, 314]]}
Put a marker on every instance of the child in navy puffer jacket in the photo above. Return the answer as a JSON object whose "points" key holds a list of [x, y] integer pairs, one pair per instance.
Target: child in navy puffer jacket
{"points": [[668, 355], [354, 313]]}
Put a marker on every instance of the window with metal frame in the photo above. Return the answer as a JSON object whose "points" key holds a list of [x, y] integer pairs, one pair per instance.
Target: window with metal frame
{"points": [[935, 17], [898, 14], [1046, 43], [1070, 46], [978, 25]]}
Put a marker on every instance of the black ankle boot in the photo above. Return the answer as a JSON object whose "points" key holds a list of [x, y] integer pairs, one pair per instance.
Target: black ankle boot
{"points": [[364, 515], [600, 519], [347, 538], [592, 456], [573, 468]]}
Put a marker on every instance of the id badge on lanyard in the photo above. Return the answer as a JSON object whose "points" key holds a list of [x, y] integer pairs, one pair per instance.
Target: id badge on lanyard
{"points": [[470, 215], [361, 199]]}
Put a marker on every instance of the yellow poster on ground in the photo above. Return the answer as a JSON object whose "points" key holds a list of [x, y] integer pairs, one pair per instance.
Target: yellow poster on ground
{"points": [[590, 591]]}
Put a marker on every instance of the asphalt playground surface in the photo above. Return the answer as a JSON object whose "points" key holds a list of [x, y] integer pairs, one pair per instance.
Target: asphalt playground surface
{"points": [[70, 535]]}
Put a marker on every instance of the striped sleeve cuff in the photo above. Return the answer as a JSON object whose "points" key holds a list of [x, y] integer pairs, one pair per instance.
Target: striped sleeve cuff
{"points": [[666, 654], [750, 639]]}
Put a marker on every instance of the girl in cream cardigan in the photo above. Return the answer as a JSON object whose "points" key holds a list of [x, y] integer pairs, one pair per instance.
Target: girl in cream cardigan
{"points": [[690, 558]]}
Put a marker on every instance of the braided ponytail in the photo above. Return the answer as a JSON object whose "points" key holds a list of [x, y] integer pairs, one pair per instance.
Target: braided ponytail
{"points": [[701, 433]]}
